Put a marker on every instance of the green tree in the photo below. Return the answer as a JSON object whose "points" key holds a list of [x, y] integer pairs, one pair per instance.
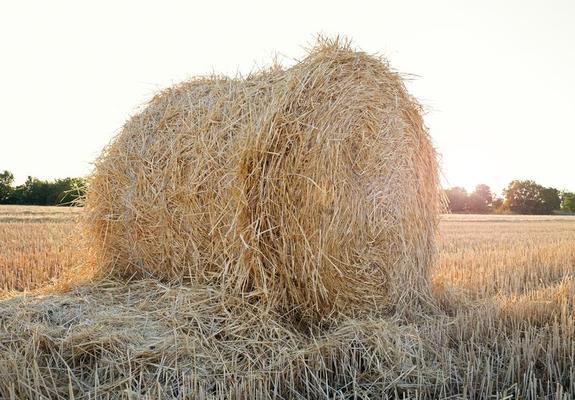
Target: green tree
{"points": [[6, 180], [457, 199], [484, 192], [568, 202], [479, 202], [476, 204], [527, 197], [65, 191], [497, 204], [522, 197], [550, 200], [35, 191]]}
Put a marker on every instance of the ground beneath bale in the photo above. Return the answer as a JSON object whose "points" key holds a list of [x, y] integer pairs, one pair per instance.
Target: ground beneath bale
{"points": [[149, 340]]}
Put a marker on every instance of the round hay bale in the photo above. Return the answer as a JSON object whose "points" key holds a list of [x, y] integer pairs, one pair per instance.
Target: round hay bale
{"points": [[312, 189]]}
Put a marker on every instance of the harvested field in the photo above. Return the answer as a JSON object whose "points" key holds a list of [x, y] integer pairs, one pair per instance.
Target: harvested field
{"points": [[34, 245], [505, 285]]}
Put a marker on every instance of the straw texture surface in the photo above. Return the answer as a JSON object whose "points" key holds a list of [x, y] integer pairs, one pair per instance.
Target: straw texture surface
{"points": [[312, 189]]}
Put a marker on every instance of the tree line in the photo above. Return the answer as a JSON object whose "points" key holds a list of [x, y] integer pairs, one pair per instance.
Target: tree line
{"points": [[41, 193], [519, 197]]}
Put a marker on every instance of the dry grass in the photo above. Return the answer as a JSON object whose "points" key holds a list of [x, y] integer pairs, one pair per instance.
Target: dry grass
{"points": [[33, 245], [505, 255], [507, 330]]}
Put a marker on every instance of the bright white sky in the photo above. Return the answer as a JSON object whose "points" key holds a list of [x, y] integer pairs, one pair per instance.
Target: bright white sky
{"points": [[496, 77]]}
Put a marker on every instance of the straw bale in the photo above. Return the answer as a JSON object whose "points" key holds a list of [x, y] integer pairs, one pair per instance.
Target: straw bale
{"points": [[312, 189]]}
